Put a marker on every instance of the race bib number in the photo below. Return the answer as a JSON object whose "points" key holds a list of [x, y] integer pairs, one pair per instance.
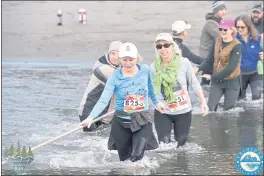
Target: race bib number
{"points": [[133, 103], [180, 102]]}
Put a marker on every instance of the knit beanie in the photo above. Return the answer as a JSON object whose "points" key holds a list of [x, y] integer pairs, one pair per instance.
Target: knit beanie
{"points": [[114, 46], [217, 6]]}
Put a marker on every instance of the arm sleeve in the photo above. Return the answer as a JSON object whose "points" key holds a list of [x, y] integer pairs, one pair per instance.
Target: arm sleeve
{"points": [[208, 63], [105, 97], [191, 78], [234, 60], [103, 72], [151, 91], [186, 52]]}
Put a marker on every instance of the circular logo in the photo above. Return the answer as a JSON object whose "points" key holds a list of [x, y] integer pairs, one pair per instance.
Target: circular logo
{"points": [[249, 161]]}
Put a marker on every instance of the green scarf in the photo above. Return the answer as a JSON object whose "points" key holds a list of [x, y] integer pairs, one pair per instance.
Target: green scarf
{"points": [[167, 77]]}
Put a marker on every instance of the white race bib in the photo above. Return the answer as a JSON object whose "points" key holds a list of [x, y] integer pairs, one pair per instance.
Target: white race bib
{"points": [[180, 100], [134, 103]]}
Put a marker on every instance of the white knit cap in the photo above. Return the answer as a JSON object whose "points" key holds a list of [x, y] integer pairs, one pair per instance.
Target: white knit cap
{"points": [[114, 46]]}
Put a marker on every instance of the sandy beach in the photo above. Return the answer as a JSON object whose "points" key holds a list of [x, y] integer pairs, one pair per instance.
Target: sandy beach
{"points": [[30, 31]]}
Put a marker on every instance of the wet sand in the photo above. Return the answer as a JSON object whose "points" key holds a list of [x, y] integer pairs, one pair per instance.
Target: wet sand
{"points": [[29, 30]]}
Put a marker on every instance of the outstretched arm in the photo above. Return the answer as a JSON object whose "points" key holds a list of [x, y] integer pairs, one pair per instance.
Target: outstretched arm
{"points": [[191, 56]]}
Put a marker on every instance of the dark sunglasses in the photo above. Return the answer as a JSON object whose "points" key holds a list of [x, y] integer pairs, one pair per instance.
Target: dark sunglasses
{"points": [[221, 29], [241, 27], [166, 45]]}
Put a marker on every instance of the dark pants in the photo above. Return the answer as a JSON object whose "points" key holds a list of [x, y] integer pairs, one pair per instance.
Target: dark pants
{"points": [[255, 81], [181, 124], [215, 94], [129, 144], [93, 127]]}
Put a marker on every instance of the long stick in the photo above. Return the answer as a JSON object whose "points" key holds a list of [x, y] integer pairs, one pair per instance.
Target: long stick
{"points": [[69, 132]]}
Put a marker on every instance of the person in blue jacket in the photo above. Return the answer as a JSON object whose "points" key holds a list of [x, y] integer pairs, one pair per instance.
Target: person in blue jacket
{"points": [[250, 41], [131, 130]]}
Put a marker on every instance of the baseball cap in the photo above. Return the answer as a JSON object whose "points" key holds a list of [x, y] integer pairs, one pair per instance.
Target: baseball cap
{"points": [[164, 36], [226, 24], [114, 46], [180, 26], [128, 50], [258, 8]]}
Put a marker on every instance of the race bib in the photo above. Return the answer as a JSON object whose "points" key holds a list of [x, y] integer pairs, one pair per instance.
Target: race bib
{"points": [[180, 102], [134, 103]]}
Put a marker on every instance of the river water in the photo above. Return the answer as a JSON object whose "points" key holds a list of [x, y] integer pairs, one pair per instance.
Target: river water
{"points": [[44, 76], [40, 101]]}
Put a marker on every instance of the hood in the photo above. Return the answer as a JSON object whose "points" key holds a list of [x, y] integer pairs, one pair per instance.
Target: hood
{"points": [[105, 60], [211, 16]]}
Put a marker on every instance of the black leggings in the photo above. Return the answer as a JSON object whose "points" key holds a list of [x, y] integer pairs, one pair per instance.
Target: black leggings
{"points": [[130, 144], [181, 124], [255, 82]]}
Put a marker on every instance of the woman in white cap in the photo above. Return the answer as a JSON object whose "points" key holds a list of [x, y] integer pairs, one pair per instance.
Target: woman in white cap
{"points": [[172, 74], [131, 131]]}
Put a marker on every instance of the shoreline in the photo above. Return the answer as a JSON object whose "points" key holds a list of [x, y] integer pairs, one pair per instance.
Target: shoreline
{"points": [[33, 34]]}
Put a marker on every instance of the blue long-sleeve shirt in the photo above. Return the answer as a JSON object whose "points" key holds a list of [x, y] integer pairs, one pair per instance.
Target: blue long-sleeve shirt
{"points": [[139, 84]]}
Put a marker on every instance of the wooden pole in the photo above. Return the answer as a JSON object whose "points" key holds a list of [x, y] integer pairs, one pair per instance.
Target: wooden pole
{"points": [[69, 132]]}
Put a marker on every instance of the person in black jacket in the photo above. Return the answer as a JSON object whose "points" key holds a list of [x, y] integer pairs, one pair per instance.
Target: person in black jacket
{"points": [[179, 33]]}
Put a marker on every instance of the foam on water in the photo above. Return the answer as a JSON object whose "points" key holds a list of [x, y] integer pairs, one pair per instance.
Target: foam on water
{"points": [[94, 154], [231, 112], [248, 103], [188, 147], [102, 160]]}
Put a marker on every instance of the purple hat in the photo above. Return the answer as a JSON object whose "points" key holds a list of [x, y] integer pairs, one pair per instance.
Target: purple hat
{"points": [[226, 24]]}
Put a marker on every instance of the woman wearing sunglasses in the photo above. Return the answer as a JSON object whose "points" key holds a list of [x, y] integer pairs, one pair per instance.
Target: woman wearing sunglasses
{"points": [[251, 47], [224, 64], [131, 130], [172, 74]]}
